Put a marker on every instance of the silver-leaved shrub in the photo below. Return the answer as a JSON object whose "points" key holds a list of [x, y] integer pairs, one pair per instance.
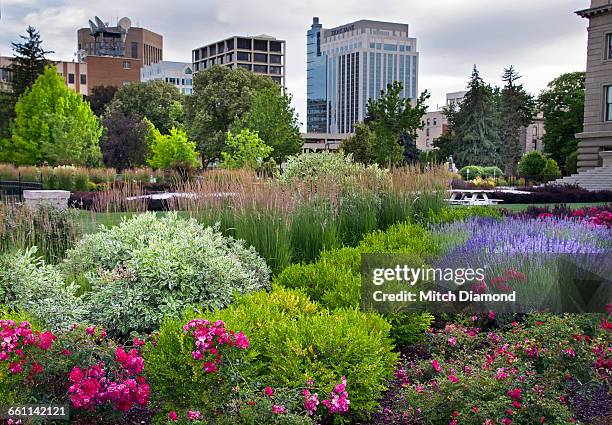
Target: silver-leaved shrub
{"points": [[27, 283], [149, 267]]}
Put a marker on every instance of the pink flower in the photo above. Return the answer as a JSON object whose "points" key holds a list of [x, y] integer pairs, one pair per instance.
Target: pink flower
{"points": [[453, 379], [311, 401], [452, 341], [172, 416], [569, 352], [194, 415], [269, 391], [515, 393], [436, 365], [278, 410], [491, 315], [506, 421]]}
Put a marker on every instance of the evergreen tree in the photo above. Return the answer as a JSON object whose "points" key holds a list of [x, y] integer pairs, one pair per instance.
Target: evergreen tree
{"points": [[516, 112], [476, 126], [29, 61]]}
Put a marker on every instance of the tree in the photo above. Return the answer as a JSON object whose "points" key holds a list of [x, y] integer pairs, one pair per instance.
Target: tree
{"points": [[516, 112], [476, 126], [124, 142], [411, 152], [160, 102], [361, 144], [273, 118], [245, 150], [391, 115], [446, 144], [100, 97], [172, 151], [54, 125], [550, 171], [531, 165], [220, 96], [29, 61], [563, 106]]}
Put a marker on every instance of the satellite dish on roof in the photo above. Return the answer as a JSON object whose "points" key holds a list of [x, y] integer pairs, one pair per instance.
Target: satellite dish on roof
{"points": [[125, 23], [101, 25], [92, 27]]}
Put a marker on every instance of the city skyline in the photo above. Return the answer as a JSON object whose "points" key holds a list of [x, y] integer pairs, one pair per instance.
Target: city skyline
{"points": [[551, 39]]}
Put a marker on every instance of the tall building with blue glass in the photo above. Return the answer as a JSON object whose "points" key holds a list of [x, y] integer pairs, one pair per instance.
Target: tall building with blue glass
{"points": [[352, 63]]}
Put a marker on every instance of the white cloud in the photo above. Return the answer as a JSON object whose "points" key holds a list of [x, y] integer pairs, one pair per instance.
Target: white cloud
{"points": [[542, 38]]}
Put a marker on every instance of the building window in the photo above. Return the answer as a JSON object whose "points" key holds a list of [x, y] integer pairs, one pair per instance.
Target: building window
{"points": [[230, 44], [135, 49], [609, 103], [276, 46], [260, 57], [609, 46], [83, 79], [435, 121], [275, 70], [261, 45], [275, 59], [245, 66], [244, 56], [127, 65], [70, 78], [260, 68], [244, 43]]}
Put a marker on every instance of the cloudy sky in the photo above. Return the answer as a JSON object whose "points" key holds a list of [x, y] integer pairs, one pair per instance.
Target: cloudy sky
{"points": [[541, 38]]}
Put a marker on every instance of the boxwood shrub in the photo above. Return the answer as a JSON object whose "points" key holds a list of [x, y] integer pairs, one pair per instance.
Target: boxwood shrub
{"points": [[292, 340]]}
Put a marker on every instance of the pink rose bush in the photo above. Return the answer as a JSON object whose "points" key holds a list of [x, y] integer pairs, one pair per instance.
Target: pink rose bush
{"points": [[20, 346], [529, 372]]}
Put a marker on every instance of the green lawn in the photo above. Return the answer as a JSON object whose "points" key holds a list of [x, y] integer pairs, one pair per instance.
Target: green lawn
{"points": [[522, 207]]}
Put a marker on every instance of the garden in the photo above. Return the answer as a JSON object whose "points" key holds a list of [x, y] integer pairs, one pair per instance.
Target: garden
{"points": [[241, 303]]}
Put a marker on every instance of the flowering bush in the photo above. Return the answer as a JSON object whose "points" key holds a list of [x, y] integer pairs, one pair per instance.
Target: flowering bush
{"points": [[291, 341], [148, 267], [525, 374]]}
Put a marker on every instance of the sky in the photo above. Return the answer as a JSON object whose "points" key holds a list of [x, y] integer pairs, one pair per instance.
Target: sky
{"points": [[541, 38]]}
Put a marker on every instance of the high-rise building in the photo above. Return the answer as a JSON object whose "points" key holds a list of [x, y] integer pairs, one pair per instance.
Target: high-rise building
{"points": [[263, 54], [178, 73], [122, 40], [595, 146], [349, 64]]}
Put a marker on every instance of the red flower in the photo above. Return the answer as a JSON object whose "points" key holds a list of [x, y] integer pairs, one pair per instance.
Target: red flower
{"points": [[172, 416], [269, 391]]}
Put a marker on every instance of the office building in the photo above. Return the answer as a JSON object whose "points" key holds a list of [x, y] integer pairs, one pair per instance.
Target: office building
{"points": [[122, 40], [531, 137], [455, 98], [322, 142], [434, 125], [595, 146], [74, 75], [349, 64], [112, 71], [178, 73], [263, 55]]}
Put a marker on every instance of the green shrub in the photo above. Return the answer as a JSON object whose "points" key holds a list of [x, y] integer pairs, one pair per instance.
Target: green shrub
{"points": [[474, 171], [400, 238], [491, 172], [292, 341], [148, 267], [334, 286], [531, 165], [28, 284], [550, 171]]}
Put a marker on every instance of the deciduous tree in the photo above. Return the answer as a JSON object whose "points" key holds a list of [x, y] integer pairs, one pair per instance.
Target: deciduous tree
{"points": [[563, 106], [54, 125], [361, 144], [100, 97], [172, 151], [245, 149], [124, 142]]}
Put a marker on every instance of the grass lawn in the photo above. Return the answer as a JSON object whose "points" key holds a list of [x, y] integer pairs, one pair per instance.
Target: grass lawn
{"points": [[521, 207]]}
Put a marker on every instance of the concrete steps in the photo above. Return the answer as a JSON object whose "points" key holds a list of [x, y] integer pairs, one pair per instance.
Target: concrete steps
{"points": [[599, 178]]}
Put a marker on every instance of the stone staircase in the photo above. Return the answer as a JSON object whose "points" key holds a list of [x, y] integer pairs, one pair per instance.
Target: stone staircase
{"points": [[599, 178]]}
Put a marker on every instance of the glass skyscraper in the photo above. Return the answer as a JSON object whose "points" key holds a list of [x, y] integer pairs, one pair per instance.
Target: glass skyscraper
{"points": [[349, 64]]}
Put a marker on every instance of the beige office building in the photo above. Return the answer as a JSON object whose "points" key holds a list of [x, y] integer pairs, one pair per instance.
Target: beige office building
{"points": [[262, 55], [597, 133]]}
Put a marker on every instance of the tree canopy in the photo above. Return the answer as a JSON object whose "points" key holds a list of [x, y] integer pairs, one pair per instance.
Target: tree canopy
{"points": [[220, 96], [361, 144], [172, 151], [158, 101], [275, 121], [100, 97], [53, 125], [245, 150], [563, 106], [391, 117], [124, 142]]}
